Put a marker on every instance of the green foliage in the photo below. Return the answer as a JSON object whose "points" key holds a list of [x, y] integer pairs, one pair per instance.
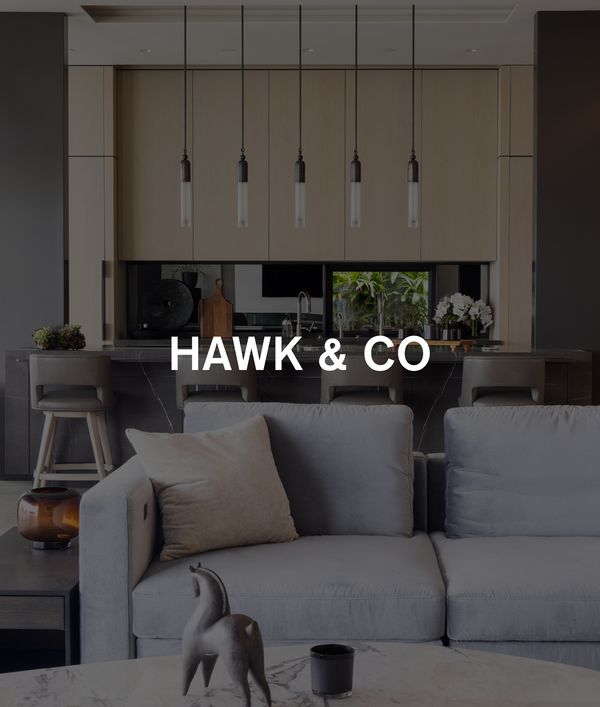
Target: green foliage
{"points": [[45, 338], [68, 337], [405, 294]]}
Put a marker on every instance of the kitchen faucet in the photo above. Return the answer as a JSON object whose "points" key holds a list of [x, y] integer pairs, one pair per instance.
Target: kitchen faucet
{"points": [[380, 311], [306, 296]]}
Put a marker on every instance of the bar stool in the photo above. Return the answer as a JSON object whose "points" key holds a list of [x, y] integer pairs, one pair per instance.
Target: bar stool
{"points": [[75, 386], [203, 386], [490, 380], [366, 386]]}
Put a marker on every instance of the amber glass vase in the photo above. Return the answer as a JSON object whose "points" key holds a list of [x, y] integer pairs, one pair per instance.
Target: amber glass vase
{"points": [[49, 517]]}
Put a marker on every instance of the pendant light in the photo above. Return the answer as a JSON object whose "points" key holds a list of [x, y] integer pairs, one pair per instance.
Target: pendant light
{"points": [[242, 171], [355, 168], [186, 167], [299, 166], [413, 165]]}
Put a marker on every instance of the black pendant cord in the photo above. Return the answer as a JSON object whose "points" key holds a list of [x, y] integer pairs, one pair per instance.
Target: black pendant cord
{"points": [[185, 80], [243, 87], [413, 83], [299, 80], [356, 81]]}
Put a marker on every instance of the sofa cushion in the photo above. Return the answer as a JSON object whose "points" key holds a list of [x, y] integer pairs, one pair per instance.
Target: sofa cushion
{"points": [[521, 589], [215, 489], [328, 587], [523, 471], [347, 470]]}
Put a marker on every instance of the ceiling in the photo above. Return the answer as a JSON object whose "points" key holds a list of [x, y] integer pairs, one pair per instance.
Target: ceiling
{"points": [[460, 32]]}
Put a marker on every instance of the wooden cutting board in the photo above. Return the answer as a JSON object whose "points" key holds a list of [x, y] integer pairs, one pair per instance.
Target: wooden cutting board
{"points": [[216, 314]]}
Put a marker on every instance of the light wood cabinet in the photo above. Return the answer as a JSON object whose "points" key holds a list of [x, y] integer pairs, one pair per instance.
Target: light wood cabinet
{"points": [[325, 155], [515, 111], [150, 143], [217, 143], [458, 165], [384, 142]]}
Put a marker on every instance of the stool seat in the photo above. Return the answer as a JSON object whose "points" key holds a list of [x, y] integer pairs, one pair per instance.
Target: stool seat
{"points": [[508, 398], [362, 397], [77, 400]]}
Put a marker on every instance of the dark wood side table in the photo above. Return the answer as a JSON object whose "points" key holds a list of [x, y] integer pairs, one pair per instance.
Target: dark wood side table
{"points": [[39, 595]]}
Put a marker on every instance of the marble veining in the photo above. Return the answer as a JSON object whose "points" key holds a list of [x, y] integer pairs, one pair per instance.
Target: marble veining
{"points": [[385, 674]]}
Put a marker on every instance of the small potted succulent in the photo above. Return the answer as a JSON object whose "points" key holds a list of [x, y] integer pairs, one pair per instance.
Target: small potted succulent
{"points": [[66, 338]]}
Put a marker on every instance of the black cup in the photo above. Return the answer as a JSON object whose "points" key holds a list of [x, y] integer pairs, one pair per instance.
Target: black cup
{"points": [[331, 668]]}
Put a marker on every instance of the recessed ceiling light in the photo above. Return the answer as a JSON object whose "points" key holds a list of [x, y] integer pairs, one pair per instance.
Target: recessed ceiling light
{"points": [[145, 51], [308, 50], [471, 50]]}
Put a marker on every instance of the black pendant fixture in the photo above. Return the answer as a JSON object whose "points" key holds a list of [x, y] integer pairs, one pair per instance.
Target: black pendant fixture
{"points": [[413, 165], [355, 167], [186, 167], [299, 165], [242, 170]]}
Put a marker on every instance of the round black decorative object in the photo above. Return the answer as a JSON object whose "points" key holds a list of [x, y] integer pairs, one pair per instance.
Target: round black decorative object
{"points": [[168, 305], [331, 670]]}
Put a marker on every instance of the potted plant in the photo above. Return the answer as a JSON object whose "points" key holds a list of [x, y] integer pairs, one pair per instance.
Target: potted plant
{"points": [[66, 338], [479, 317], [450, 312]]}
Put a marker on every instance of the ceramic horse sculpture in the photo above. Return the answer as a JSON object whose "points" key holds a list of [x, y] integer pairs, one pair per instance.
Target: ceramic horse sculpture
{"points": [[214, 631]]}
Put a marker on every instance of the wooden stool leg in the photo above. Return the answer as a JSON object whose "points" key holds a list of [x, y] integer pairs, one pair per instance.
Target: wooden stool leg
{"points": [[92, 423], [104, 441], [50, 445], [44, 443]]}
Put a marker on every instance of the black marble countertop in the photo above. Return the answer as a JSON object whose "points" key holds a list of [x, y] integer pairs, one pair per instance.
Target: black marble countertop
{"points": [[309, 352]]}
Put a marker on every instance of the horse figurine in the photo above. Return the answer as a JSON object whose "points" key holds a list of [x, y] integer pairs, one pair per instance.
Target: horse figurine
{"points": [[214, 631]]}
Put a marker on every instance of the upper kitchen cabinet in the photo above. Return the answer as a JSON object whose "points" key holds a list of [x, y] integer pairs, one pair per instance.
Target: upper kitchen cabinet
{"points": [[324, 150], [217, 144], [384, 143], [150, 143], [458, 165]]}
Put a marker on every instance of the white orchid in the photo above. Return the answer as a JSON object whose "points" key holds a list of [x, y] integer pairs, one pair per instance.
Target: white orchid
{"points": [[462, 308]]}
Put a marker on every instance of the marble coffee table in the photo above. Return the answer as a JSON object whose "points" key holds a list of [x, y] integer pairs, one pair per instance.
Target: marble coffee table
{"points": [[385, 674]]}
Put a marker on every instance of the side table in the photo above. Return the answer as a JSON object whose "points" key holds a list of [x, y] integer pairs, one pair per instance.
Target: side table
{"points": [[39, 593]]}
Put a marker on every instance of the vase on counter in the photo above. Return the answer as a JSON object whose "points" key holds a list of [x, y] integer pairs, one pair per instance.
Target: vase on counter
{"points": [[404, 332], [431, 332]]}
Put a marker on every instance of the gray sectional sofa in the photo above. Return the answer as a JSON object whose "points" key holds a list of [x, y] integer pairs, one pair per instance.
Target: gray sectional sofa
{"points": [[517, 570], [363, 568]]}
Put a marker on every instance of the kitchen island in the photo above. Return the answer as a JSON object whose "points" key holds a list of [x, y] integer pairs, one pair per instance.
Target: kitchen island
{"points": [[144, 386]]}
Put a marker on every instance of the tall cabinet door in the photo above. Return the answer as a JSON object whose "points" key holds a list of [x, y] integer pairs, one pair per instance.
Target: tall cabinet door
{"points": [[324, 152], [458, 165], [384, 142], [150, 137], [217, 145]]}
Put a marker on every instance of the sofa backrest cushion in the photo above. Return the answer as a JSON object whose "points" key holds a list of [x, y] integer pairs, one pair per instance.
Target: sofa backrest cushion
{"points": [[523, 471], [347, 470]]}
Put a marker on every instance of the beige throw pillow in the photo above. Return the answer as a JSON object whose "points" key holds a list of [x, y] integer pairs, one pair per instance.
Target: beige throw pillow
{"points": [[216, 489]]}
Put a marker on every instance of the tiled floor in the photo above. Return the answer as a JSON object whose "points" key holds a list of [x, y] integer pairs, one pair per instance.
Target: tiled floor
{"points": [[10, 491]]}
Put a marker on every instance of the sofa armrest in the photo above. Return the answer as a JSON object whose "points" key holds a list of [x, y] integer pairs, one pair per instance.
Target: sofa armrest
{"points": [[436, 492], [117, 538]]}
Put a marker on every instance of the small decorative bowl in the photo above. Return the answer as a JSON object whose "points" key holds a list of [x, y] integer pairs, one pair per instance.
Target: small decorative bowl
{"points": [[49, 517]]}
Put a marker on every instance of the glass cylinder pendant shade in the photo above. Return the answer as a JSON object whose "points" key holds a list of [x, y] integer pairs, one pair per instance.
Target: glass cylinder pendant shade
{"points": [[299, 193], [242, 193], [355, 183], [186, 192], [413, 193]]}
